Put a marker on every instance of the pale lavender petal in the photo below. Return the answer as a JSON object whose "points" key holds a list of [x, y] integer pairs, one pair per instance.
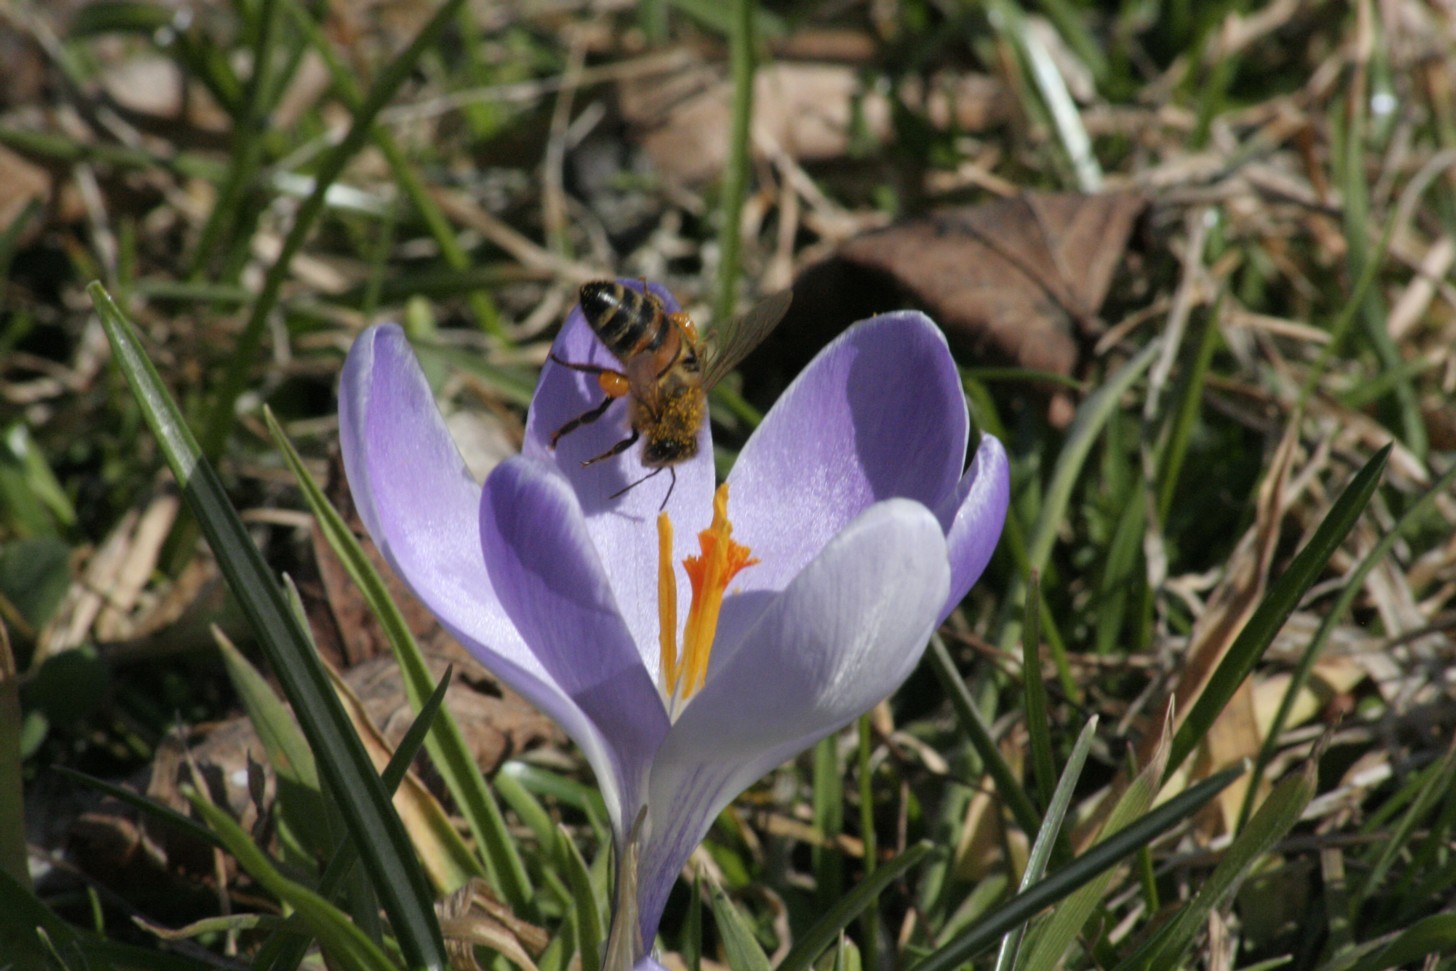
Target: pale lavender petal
{"points": [[422, 509], [977, 519], [552, 585], [623, 529], [879, 413], [841, 636], [416, 497]]}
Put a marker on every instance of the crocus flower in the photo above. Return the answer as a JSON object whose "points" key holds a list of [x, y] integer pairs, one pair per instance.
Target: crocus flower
{"points": [[855, 527]]}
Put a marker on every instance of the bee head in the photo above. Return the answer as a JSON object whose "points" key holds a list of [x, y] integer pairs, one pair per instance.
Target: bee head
{"points": [[661, 452]]}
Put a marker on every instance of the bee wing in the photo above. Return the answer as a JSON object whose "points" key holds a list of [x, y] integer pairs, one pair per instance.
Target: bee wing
{"points": [[730, 343]]}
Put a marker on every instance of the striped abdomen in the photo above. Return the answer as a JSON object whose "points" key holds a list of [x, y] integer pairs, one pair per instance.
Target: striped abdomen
{"points": [[628, 321]]}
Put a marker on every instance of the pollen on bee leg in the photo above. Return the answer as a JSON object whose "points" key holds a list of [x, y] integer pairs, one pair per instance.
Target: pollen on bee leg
{"points": [[613, 384], [684, 323]]}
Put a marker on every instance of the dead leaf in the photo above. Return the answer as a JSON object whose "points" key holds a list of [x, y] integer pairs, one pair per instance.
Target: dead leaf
{"points": [[475, 915], [808, 110], [446, 858], [1331, 681], [1015, 280], [154, 93], [24, 183], [110, 844], [985, 838]]}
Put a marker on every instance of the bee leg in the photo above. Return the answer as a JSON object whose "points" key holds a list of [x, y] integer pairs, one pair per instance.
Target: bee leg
{"points": [[613, 382], [585, 418], [584, 368], [632, 485], [616, 449]]}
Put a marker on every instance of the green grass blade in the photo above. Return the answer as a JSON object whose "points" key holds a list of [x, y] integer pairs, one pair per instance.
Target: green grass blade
{"points": [[1038, 722], [298, 784], [586, 902], [1047, 837], [223, 414], [809, 945], [1184, 413], [1275, 608], [1050, 940], [24, 915], [1337, 611], [382, 842], [827, 801], [233, 216], [1275, 818], [870, 918], [1092, 416], [16, 939], [1434, 789], [446, 745], [1435, 934], [1021, 908], [413, 188], [526, 806], [743, 950], [1008, 787], [286, 949], [847, 956], [1123, 579], [740, 144], [345, 942], [185, 825]]}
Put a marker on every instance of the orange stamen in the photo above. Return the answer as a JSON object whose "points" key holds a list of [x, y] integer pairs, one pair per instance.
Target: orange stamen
{"points": [[721, 559], [710, 573], [666, 602]]}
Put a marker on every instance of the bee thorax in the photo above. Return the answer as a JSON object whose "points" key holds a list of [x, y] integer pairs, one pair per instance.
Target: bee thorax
{"points": [[671, 431]]}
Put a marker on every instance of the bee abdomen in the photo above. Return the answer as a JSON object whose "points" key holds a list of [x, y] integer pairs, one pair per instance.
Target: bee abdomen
{"points": [[627, 321]]}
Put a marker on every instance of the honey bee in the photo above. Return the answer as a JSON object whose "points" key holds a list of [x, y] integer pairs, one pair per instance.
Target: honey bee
{"points": [[667, 370]]}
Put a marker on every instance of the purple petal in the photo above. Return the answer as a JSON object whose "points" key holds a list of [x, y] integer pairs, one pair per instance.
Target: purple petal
{"points": [[879, 413], [842, 635], [977, 519], [552, 585], [415, 495], [422, 508], [623, 528]]}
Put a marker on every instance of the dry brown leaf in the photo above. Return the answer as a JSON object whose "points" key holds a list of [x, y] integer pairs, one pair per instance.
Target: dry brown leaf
{"points": [[1330, 680], [154, 93], [985, 837], [806, 110], [1015, 280], [1241, 587], [1233, 736], [475, 915], [431, 831], [109, 842], [24, 182]]}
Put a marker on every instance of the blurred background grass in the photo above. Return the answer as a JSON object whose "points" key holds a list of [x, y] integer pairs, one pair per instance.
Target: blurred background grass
{"points": [[1265, 193]]}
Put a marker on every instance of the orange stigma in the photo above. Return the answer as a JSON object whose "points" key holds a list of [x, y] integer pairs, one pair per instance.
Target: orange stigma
{"points": [[720, 560]]}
